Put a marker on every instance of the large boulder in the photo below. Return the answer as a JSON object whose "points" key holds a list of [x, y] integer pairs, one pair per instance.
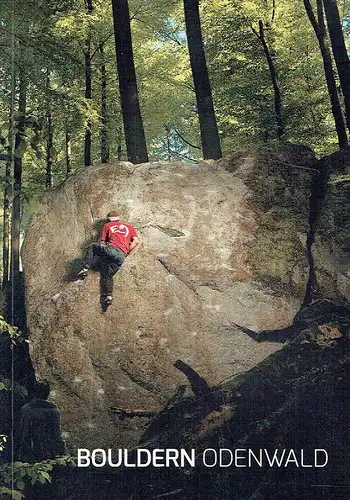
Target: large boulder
{"points": [[223, 248], [332, 243]]}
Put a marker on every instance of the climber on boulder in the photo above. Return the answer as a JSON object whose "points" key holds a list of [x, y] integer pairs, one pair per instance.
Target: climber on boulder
{"points": [[117, 240]]}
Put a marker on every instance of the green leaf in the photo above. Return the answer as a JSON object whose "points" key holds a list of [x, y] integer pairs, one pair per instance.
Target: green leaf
{"points": [[20, 485]]}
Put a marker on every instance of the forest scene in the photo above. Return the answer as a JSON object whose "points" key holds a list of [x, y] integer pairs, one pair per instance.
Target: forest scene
{"points": [[216, 133]]}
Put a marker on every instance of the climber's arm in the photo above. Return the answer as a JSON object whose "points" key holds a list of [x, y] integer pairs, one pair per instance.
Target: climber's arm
{"points": [[134, 244], [103, 236]]}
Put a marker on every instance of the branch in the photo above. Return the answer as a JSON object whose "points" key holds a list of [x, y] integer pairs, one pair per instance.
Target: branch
{"points": [[182, 156], [187, 142], [273, 10], [111, 34], [169, 36], [101, 44], [255, 32], [122, 413]]}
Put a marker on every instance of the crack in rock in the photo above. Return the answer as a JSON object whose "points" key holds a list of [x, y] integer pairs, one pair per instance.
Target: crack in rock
{"points": [[173, 233], [174, 272], [212, 286]]}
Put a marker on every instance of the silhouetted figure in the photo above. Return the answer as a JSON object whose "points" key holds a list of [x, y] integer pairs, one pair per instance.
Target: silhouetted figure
{"points": [[40, 423]]}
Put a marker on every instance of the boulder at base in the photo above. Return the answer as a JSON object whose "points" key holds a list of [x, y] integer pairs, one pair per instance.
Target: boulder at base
{"points": [[223, 245]]}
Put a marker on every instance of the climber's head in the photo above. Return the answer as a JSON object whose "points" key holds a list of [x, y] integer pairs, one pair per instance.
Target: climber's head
{"points": [[113, 215], [42, 389]]}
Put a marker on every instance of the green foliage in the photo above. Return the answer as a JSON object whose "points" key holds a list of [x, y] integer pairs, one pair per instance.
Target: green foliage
{"points": [[13, 332], [24, 474], [3, 440], [55, 38], [52, 38]]}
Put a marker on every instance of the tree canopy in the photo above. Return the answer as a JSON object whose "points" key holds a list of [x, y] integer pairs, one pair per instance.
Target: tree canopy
{"points": [[264, 65]]}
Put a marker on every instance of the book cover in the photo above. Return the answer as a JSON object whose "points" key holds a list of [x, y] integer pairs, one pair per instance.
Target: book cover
{"points": [[173, 326]]}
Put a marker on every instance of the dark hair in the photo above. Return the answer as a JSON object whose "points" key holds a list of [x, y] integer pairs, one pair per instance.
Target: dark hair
{"points": [[113, 213], [42, 389]]}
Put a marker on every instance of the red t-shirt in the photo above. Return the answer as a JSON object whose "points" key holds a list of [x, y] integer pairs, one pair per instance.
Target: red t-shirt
{"points": [[119, 234]]}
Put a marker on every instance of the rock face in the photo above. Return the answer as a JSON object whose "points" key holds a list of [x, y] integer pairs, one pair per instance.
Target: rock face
{"points": [[223, 245], [332, 244]]}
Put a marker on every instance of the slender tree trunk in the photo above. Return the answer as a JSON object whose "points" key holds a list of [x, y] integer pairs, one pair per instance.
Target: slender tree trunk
{"points": [[68, 154], [274, 80], [309, 91], [88, 90], [6, 232], [168, 143], [104, 115], [49, 151], [339, 51], [16, 204], [320, 32], [7, 206], [207, 120], [49, 139], [133, 126]]}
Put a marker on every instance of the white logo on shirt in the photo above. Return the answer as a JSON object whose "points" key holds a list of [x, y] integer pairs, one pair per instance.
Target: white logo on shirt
{"points": [[122, 229]]}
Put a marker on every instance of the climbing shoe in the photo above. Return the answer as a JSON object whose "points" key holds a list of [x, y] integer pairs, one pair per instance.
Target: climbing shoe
{"points": [[108, 300], [82, 274]]}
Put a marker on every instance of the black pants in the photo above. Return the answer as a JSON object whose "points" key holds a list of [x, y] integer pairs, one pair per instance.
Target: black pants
{"points": [[110, 259]]}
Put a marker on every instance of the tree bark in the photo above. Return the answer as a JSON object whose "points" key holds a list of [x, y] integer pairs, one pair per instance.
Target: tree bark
{"points": [[104, 115], [49, 151], [68, 154], [274, 80], [7, 206], [88, 90], [207, 121], [319, 28], [339, 51], [49, 140], [16, 204], [133, 126], [119, 144]]}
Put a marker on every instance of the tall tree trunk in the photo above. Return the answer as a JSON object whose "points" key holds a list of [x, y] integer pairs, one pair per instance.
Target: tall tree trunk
{"points": [[133, 126], [49, 139], [339, 51], [68, 154], [104, 115], [320, 32], [7, 205], [17, 175], [88, 90], [207, 120], [274, 80], [49, 151]]}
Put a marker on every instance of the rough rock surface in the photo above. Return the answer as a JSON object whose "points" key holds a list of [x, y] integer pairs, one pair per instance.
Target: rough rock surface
{"points": [[332, 244], [223, 245]]}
